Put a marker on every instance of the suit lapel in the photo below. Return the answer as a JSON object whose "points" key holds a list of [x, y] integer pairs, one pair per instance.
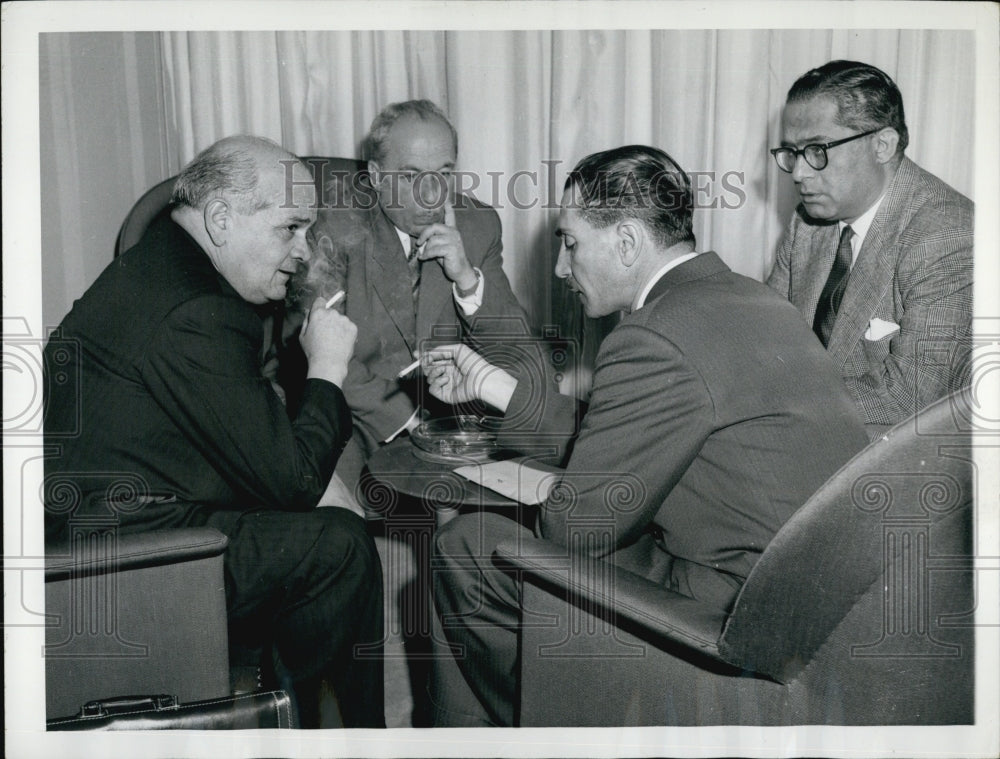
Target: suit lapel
{"points": [[389, 278], [813, 268], [872, 273]]}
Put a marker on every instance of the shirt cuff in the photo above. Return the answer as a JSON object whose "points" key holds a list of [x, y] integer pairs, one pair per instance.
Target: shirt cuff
{"points": [[409, 424], [470, 303]]}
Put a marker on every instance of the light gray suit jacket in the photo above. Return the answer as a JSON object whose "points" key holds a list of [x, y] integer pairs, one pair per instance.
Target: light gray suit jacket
{"points": [[914, 270]]}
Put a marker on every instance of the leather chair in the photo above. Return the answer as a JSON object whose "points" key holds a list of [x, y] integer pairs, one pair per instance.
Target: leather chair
{"points": [[157, 198], [859, 612], [135, 614]]}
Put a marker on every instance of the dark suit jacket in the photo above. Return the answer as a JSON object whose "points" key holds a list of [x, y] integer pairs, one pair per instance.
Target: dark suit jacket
{"points": [[915, 270], [715, 413], [169, 399], [379, 302]]}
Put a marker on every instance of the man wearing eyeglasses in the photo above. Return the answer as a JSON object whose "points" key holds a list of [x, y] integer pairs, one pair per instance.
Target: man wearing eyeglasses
{"points": [[878, 254]]}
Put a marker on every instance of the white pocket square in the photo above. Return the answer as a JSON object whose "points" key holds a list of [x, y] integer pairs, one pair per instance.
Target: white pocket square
{"points": [[879, 328]]}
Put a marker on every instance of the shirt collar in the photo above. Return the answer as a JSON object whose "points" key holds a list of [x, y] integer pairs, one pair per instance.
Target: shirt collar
{"points": [[862, 224], [640, 301], [404, 240]]}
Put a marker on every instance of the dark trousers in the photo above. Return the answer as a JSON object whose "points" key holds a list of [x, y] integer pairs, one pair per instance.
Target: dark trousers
{"points": [[473, 681], [477, 659], [308, 587]]}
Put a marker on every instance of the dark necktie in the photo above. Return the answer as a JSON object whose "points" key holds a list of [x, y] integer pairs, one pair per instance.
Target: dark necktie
{"points": [[833, 291], [413, 262]]}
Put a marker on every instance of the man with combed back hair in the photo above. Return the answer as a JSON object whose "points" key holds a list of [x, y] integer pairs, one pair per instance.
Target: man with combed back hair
{"points": [[878, 255], [171, 394], [715, 414]]}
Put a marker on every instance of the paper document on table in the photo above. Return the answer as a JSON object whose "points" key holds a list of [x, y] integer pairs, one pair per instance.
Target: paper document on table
{"points": [[511, 480]]}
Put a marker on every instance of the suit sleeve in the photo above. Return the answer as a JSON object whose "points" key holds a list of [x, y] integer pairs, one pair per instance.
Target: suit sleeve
{"points": [[930, 355], [648, 417], [381, 405], [540, 422], [202, 368]]}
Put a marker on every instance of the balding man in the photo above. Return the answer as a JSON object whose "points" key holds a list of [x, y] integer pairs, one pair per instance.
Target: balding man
{"points": [[171, 394], [430, 267]]}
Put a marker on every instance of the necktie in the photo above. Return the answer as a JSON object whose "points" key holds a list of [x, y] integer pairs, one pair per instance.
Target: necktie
{"points": [[413, 262], [833, 291]]}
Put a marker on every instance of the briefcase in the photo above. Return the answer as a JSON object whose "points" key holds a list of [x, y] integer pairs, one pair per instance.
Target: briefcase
{"points": [[249, 711]]}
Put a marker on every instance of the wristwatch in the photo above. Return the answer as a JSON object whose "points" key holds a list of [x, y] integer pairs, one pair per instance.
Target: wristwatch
{"points": [[466, 293]]}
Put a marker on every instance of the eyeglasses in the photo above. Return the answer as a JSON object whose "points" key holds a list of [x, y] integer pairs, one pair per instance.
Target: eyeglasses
{"points": [[814, 154]]}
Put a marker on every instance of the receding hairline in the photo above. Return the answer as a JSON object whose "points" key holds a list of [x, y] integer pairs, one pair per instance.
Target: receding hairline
{"points": [[419, 118]]}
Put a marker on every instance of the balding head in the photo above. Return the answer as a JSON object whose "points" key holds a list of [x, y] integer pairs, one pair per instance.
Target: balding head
{"points": [[248, 203], [230, 169]]}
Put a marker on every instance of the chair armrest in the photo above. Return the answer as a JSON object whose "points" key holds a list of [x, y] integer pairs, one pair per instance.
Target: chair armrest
{"points": [[138, 550], [654, 610]]}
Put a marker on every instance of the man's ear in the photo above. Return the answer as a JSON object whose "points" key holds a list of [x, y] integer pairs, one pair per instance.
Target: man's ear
{"points": [[218, 221], [630, 240], [886, 141], [375, 172]]}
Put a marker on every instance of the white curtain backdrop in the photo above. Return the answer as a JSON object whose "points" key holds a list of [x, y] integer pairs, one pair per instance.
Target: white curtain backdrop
{"points": [[122, 110], [102, 135], [537, 101]]}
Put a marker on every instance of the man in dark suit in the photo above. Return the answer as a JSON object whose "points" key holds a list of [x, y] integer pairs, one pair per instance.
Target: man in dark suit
{"points": [[714, 415], [425, 265], [878, 255], [171, 396]]}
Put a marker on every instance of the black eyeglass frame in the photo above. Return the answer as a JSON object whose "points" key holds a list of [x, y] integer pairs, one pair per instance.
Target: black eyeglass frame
{"points": [[796, 152]]}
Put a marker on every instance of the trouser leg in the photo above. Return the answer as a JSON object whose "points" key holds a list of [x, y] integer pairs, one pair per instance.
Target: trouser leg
{"points": [[310, 584], [478, 612]]}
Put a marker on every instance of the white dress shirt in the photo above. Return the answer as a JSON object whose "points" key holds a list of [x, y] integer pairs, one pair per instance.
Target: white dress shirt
{"points": [[860, 227]]}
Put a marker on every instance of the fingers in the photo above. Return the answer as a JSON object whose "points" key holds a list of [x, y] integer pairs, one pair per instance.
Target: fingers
{"points": [[435, 234], [440, 353]]}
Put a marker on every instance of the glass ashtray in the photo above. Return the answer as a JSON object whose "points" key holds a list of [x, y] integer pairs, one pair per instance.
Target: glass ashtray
{"points": [[457, 438]]}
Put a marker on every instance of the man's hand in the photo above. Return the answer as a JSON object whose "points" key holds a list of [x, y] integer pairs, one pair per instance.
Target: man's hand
{"points": [[457, 374], [444, 243], [327, 339]]}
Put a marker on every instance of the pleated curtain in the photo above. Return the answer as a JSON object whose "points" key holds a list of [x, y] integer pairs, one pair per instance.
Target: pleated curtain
{"points": [[527, 106]]}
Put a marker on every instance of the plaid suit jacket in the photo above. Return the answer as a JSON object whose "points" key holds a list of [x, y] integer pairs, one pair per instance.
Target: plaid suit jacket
{"points": [[914, 270]]}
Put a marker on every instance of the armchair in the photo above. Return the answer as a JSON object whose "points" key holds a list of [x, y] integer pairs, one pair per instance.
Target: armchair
{"points": [[859, 612], [135, 614]]}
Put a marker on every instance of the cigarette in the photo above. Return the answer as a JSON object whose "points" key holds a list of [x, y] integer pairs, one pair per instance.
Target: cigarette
{"points": [[334, 300], [409, 368]]}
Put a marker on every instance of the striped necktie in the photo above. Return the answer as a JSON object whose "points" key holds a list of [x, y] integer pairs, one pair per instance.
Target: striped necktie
{"points": [[413, 262], [833, 291]]}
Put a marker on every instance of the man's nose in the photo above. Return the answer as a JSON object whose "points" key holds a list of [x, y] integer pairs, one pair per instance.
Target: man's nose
{"points": [[801, 169], [432, 190], [301, 250], [562, 263]]}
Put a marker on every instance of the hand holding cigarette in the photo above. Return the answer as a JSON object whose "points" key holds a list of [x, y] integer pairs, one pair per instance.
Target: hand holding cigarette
{"points": [[408, 368], [457, 374], [327, 338]]}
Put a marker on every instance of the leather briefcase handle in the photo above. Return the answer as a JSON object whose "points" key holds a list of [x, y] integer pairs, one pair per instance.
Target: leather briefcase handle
{"points": [[126, 704]]}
